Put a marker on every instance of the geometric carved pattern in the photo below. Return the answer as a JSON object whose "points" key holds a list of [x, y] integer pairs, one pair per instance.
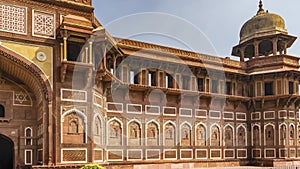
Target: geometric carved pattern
{"points": [[21, 97], [12, 19], [98, 155], [74, 155], [44, 24]]}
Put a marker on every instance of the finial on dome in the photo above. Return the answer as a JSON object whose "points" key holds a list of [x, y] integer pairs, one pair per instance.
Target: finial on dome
{"points": [[261, 9], [260, 5]]}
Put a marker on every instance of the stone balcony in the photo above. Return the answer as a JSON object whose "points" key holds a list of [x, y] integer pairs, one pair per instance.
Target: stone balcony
{"points": [[272, 63]]}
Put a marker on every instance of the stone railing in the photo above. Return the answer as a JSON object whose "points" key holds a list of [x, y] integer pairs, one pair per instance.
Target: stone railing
{"points": [[273, 60]]}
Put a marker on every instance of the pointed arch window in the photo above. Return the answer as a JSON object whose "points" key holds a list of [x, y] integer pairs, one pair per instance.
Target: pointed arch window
{"points": [[134, 133], [282, 134], [228, 136], [169, 134], [215, 136], [28, 136], [241, 136], [269, 135], [292, 135], [97, 131], [73, 126], [201, 135], [256, 136], [97, 127], [185, 134], [114, 135], [152, 134]]}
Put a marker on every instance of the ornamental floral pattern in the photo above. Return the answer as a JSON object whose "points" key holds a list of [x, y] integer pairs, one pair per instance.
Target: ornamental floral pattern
{"points": [[12, 19], [44, 24]]}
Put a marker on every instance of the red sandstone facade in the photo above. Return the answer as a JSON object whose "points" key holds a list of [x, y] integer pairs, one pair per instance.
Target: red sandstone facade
{"points": [[71, 94]]}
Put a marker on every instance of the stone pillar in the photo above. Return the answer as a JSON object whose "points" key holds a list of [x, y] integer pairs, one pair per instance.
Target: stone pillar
{"points": [[50, 132], [274, 41], [124, 138], [256, 48], [285, 48], [115, 65], [62, 51], [91, 52], [65, 48], [161, 130], [86, 55], [163, 78], [104, 56], [89, 124], [242, 57]]}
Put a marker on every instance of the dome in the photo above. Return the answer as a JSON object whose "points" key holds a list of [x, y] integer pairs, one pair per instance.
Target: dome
{"points": [[261, 25]]}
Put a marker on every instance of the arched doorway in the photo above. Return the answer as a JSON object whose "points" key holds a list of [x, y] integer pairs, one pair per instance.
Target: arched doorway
{"points": [[6, 152]]}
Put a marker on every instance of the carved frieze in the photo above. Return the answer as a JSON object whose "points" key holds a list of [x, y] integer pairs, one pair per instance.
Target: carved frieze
{"points": [[84, 2]]}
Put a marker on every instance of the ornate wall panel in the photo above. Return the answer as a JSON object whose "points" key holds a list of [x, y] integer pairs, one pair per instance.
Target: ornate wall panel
{"points": [[13, 19], [43, 24], [74, 155]]}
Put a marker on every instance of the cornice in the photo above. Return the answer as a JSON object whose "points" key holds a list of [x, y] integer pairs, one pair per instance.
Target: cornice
{"points": [[188, 55]]}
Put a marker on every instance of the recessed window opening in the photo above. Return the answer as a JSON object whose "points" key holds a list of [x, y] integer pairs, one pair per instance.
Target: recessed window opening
{"points": [[169, 81], [134, 77], [131, 74], [200, 84], [152, 78], [291, 87], [2, 111], [214, 86], [228, 88], [185, 82], [268, 88], [207, 85], [73, 51]]}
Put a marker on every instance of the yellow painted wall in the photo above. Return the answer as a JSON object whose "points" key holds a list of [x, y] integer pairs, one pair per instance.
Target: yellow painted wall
{"points": [[30, 52]]}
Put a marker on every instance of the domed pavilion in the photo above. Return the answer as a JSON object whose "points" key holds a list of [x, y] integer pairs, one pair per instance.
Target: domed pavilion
{"points": [[263, 35]]}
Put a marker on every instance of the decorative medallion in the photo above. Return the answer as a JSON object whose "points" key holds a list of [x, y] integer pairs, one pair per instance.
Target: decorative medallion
{"points": [[41, 56]]}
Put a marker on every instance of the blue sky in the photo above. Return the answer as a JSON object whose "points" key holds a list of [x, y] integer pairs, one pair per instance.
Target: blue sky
{"points": [[205, 26]]}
